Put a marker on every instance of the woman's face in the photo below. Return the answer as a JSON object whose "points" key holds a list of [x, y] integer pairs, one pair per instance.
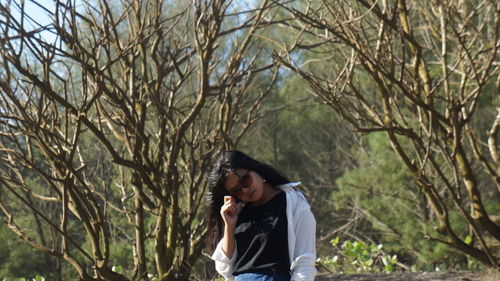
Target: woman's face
{"points": [[245, 185]]}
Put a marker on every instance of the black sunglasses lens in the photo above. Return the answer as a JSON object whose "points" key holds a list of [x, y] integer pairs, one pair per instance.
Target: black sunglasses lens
{"points": [[245, 181], [235, 191]]}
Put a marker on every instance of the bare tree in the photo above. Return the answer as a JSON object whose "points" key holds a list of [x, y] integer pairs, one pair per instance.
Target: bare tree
{"points": [[422, 72], [117, 119]]}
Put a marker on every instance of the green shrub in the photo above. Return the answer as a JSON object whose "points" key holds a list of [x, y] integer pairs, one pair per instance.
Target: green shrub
{"points": [[356, 257]]}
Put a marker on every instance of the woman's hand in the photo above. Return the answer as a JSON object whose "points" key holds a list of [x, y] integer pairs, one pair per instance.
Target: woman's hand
{"points": [[229, 212]]}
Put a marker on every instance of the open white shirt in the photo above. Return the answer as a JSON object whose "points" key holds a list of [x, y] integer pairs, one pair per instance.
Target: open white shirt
{"points": [[301, 239]]}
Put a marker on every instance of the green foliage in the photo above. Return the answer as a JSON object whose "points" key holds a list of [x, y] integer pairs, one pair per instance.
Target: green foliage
{"points": [[392, 209], [36, 278], [18, 258], [357, 257]]}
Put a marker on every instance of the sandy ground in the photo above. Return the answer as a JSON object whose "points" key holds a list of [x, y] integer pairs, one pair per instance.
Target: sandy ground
{"points": [[415, 276]]}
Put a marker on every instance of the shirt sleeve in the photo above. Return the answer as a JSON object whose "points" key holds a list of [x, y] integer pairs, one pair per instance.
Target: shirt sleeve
{"points": [[305, 246], [223, 264]]}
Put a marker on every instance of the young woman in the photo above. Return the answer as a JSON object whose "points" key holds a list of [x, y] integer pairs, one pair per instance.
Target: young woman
{"points": [[261, 227]]}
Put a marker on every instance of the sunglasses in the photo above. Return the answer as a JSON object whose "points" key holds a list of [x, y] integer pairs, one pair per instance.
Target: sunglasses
{"points": [[245, 181]]}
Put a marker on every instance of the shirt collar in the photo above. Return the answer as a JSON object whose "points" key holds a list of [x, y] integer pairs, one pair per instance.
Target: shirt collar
{"points": [[290, 184]]}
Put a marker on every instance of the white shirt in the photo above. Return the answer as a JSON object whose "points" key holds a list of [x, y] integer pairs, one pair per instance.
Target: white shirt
{"points": [[301, 239]]}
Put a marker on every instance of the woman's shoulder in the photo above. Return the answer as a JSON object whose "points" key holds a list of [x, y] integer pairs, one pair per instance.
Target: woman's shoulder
{"points": [[289, 186], [294, 196]]}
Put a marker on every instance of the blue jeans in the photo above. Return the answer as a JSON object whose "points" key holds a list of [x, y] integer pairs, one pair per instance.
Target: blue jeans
{"points": [[271, 276]]}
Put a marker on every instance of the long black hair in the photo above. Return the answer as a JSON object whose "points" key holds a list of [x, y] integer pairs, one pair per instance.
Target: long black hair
{"points": [[225, 163]]}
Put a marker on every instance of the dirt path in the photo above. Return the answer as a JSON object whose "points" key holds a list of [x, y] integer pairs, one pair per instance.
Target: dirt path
{"points": [[415, 276]]}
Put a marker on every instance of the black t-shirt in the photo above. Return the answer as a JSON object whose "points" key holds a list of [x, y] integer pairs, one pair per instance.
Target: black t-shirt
{"points": [[262, 237]]}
